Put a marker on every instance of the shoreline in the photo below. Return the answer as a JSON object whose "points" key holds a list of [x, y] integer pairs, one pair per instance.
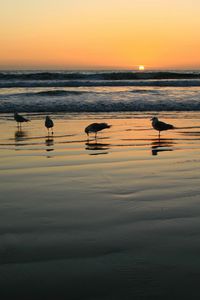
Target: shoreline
{"points": [[103, 218]]}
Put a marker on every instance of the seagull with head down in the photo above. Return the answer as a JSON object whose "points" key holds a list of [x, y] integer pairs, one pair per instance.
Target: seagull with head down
{"points": [[20, 119], [96, 127]]}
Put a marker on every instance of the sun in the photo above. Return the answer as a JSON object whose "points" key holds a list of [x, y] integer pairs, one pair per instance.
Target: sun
{"points": [[141, 68]]}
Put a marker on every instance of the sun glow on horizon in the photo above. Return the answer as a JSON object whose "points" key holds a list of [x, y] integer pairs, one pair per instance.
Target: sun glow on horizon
{"points": [[141, 68]]}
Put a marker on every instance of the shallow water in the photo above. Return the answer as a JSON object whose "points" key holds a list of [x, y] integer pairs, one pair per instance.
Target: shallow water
{"points": [[112, 218]]}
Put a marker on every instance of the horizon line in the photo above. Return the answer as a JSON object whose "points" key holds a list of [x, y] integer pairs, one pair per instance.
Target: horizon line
{"points": [[98, 69]]}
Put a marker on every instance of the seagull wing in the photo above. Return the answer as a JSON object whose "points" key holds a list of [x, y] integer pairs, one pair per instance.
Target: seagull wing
{"points": [[164, 126]]}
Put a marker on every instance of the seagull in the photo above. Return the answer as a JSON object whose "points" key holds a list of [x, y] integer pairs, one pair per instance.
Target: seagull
{"points": [[49, 124], [20, 119], [95, 127], [160, 126]]}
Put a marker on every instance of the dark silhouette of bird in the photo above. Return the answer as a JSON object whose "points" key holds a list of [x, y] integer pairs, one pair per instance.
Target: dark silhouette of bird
{"points": [[49, 124], [160, 126], [95, 127], [20, 119]]}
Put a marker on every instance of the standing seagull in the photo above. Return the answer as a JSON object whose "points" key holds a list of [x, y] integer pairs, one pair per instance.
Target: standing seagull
{"points": [[95, 127], [160, 126], [20, 119], [49, 124]]}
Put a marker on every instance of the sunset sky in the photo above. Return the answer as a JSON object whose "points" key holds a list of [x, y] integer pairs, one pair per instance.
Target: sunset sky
{"points": [[91, 34]]}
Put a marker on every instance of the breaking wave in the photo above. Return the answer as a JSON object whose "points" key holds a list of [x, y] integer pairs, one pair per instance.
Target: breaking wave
{"points": [[104, 75], [97, 106], [101, 83], [78, 79]]}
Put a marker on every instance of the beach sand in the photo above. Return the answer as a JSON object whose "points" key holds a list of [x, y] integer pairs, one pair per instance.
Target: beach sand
{"points": [[115, 218]]}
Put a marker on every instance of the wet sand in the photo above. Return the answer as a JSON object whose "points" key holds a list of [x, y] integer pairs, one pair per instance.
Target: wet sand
{"points": [[112, 218]]}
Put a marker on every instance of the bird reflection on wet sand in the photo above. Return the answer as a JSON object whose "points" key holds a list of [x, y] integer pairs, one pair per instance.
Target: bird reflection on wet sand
{"points": [[49, 142], [94, 146], [20, 136], [161, 145]]}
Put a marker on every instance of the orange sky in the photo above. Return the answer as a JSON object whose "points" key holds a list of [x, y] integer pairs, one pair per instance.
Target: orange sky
{"points": [[100, 34]]}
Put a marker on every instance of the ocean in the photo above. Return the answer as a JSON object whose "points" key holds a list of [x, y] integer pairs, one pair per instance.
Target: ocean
{"points": [[99, 91]]}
